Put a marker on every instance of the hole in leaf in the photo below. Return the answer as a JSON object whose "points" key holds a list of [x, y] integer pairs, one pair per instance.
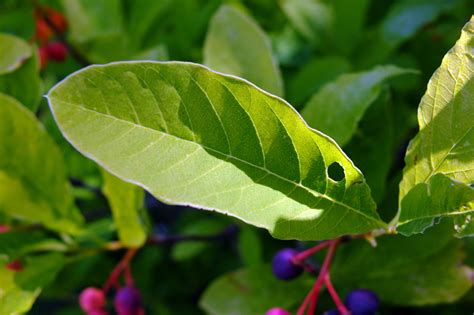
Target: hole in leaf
{"points": [[336, 172]]}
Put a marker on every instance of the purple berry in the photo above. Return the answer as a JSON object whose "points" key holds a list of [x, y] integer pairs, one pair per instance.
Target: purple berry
{"points": [[362, 302], [127, 301], [332, 312], [283, 266], [91, 299], [277, 311]]}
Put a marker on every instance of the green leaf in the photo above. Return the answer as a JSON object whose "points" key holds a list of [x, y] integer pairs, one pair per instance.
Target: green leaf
{"points": [[226, 49], [187, 250], [313, 75], [372, 147], [439, 197], [250, 246], [33, 182], [404, 19], [16, 18], [87, 20], [19, 290], [15, 244], [420, 270], [311, 18], [125, 201], [251, 292], [338, 107], [347, 23], [192, 136], [13, 52], [24, 84], [142, 16], [444, 144]]}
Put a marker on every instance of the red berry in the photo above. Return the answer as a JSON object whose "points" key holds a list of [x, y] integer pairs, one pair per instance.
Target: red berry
{"points": [[57, 51], [43, 33], [15, 265], [57, 18], [92, 299], [128, 301], [277, 311]]}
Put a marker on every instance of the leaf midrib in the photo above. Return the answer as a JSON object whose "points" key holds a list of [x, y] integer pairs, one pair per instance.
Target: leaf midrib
{"points": [[315, 193]]}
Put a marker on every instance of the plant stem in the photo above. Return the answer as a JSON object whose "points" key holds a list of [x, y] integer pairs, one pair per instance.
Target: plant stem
{"points": [[121, 266], [301, 257], [335, 297], [312, 296]]}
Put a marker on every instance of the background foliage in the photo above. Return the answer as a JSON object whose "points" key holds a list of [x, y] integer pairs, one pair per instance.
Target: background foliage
{"points": [[370, 60]]}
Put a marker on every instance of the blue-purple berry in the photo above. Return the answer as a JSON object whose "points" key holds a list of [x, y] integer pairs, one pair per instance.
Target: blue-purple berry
{"points": [[283, 266], [127, 301], [362, 302]]}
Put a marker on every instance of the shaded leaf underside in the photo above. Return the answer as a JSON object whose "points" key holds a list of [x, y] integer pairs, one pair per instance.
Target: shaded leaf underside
{"points": [[445, 143]]}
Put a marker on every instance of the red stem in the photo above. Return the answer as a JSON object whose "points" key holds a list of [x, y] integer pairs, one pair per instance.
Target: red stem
{"points": [[115, 274], [128, 277], [301, 257], [335, 297], [312, 297]]}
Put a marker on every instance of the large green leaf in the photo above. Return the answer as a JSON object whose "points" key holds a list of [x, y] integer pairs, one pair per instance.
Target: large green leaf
{"points": [[19, 290], [420, 270], [192, 136], [226, 49], [24, 83], [444, 145], [33, 182], [251, 292], [13, 52], [337, 108], [125, 200]]}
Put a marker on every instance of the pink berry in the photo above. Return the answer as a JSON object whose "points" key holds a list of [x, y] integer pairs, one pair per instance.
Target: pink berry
{"points": [[277, 311], [92, 299], [57, 51], [127, 301]]}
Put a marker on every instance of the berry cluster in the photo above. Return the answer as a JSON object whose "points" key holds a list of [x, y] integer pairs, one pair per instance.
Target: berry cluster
{"points": [[289, 263], [48, 22], [127, 299]]}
